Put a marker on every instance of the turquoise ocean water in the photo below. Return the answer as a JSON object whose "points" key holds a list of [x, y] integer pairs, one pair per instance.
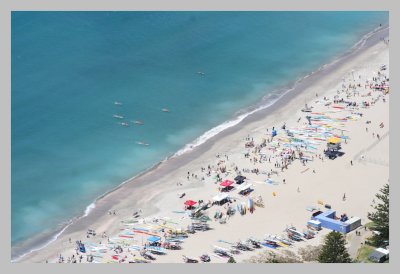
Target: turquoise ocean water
{"points": [[68, 68]]}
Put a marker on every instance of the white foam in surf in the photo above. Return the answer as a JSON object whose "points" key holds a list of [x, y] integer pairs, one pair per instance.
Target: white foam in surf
{"points": [[55, 237], [202, 139], [88, 209], [218, 129], [364, 39]]}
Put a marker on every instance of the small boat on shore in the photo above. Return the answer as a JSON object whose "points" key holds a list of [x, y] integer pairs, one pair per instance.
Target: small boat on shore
{"points": [[156, 250], [243, 246], [293, 234], [285, 241], [220, 251], [254, 243], [270, 241], [118, 116], [189, 259], [139, 261], [147, 255], [205, 258]]}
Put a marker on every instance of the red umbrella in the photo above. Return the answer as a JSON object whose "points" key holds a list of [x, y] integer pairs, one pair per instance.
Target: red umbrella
{"points": [[190, 203], [226, 183]]}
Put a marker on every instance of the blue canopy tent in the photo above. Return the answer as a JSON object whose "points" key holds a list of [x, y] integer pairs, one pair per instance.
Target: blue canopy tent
{"points": [[82, 248], [153, 239]]}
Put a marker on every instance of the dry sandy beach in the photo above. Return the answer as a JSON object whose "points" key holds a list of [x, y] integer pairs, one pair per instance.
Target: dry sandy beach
{"points": [[299, 186]]}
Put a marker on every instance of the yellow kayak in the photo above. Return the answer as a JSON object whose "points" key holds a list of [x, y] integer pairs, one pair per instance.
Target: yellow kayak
{"points": [[282, 244]]}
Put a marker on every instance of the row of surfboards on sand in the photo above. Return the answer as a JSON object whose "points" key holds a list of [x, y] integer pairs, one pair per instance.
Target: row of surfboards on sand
{"points": [[244, 207]]}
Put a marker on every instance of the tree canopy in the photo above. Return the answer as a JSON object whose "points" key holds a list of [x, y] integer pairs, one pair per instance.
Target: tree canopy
{"points": [[231, 260], [380, 217], [334, 249]]}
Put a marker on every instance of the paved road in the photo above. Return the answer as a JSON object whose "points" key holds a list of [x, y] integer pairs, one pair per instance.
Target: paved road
{"points": [[354, 242]]}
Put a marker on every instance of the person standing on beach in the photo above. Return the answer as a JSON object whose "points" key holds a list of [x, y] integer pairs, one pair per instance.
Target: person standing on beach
{"points": [[344, 197]]}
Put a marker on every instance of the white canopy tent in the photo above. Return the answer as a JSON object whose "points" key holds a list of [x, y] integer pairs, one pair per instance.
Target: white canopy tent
{"points": [[220, 197], [244, 186]]}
